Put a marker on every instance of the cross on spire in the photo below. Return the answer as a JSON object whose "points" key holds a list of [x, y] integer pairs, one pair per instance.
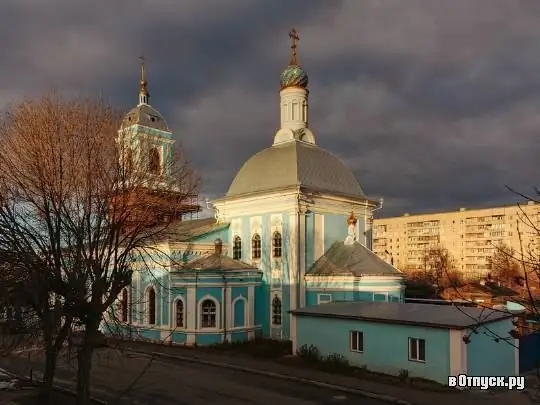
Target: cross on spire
{"points": [[293, 35]]}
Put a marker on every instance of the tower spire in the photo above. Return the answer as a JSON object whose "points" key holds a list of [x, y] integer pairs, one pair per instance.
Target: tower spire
{"points": [[143, 89], [293, 35]]}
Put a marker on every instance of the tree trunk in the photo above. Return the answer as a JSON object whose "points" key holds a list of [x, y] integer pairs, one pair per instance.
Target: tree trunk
{"points": [[48, 375], [84, 364]]}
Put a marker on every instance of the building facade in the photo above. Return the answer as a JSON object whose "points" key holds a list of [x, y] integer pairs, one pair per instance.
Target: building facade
{"points": [[471, 236], [416, 340], [289, 219]]}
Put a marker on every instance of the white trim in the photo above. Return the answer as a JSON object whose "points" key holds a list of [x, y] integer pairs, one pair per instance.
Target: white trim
{"points": [[174, 313], [319, 301], [352, 335], [417, 360], [293, 268], [191, 313], [246, 312], [343, 279], [359, 288], [251, 310], [218, 313], [205, 284], [318, 236], [302, 268], [293, 336]]}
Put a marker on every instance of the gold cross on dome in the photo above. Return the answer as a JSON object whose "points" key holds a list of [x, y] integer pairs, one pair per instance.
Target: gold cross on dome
{"points": [[293, 35]]}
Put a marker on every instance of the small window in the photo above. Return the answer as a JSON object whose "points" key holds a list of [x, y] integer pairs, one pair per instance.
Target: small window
{"points": [[179, 314], [237, 248], [276, 244], [276, 311], [154, 161], [256, 247], [356, 341], [324, 298], [124, 305], [417, 350], [151, 315], [208, 314]]}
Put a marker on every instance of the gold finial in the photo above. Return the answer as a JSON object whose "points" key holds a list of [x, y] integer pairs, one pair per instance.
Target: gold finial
{"points": [[352, 219], [293, 35]]}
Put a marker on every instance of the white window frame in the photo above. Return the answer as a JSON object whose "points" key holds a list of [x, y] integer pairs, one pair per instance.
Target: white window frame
{"points": [[358, 336], [218, 312], [323, 301], [175, 313], [416, 341]]}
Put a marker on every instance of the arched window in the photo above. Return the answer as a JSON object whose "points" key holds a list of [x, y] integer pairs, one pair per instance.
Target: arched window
{"points": [[237, 248], [208, 314], [124, 305], [276, 311], [276, 244], [151, 297], [179, 313], [154, 161], [256, 246]]}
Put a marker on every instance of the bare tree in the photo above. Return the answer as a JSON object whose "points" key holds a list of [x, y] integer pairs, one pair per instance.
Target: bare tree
{"points": [[439, 268], [81, 198], [505, 266]]}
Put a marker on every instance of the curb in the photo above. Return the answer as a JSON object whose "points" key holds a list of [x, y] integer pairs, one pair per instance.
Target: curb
{"points": [[58, 388], [319, 384]]}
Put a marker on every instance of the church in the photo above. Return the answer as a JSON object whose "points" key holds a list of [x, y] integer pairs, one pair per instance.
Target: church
{"points": [[293, 230]]}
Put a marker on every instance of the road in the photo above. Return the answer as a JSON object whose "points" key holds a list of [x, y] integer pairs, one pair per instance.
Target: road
{"points": [[143, 380]]}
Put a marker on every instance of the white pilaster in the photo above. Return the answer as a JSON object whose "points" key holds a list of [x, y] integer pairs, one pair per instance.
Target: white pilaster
{"points": [[293, 335], [293, 259], [318, 236], [227, 301], [191, 314], [251, 312], [302, 268]]}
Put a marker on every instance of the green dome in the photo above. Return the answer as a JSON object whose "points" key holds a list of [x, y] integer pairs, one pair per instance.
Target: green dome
{"points": [[294, 76]]}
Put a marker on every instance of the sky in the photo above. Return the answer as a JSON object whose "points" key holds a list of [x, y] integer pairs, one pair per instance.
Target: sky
{"points": [[433, 104]]}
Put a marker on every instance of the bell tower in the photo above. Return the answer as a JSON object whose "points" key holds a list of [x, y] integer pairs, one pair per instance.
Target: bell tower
{"points": [[147, 155]]}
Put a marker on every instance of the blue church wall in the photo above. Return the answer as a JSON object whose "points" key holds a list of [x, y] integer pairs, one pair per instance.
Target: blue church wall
{"points": [[208, 339], [239, 291], [334, 229], [239, 314], [239, 336], [501, 354], [262, 307], [210, 292], [385, 346]]}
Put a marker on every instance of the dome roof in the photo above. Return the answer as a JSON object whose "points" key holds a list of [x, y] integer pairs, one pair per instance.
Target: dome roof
{"points": [[294, 76], [294, 164], [147, 116]]}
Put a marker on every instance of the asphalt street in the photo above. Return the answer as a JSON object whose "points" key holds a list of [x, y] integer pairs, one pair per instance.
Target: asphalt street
{"points": [[138, 379]]}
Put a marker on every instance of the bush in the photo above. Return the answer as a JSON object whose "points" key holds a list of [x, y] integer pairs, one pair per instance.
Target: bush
{"points": [[336, 361], [309, 353]]}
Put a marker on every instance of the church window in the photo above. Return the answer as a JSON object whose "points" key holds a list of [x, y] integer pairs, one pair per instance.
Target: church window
{"points": [[208, 314], [124, 305], [276, 244], [256, 246], [293, 110], [179, 313], [276, 311], [151, 306], [154, 161], [237, 248]]}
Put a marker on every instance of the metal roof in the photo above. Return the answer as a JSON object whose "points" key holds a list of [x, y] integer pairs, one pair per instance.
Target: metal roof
{"points": [[294, 164], [147, 116], [351, 260], [435, 316]]}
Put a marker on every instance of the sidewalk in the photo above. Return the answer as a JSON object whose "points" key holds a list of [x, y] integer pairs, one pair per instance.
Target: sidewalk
{"points": [[407, 394]]}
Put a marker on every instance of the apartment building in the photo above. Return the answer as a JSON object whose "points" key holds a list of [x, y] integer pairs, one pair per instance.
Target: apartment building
{"points": [[470, 235]]}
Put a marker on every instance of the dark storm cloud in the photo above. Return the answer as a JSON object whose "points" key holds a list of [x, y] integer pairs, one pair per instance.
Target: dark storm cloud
{"points": [[432, 104]]}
